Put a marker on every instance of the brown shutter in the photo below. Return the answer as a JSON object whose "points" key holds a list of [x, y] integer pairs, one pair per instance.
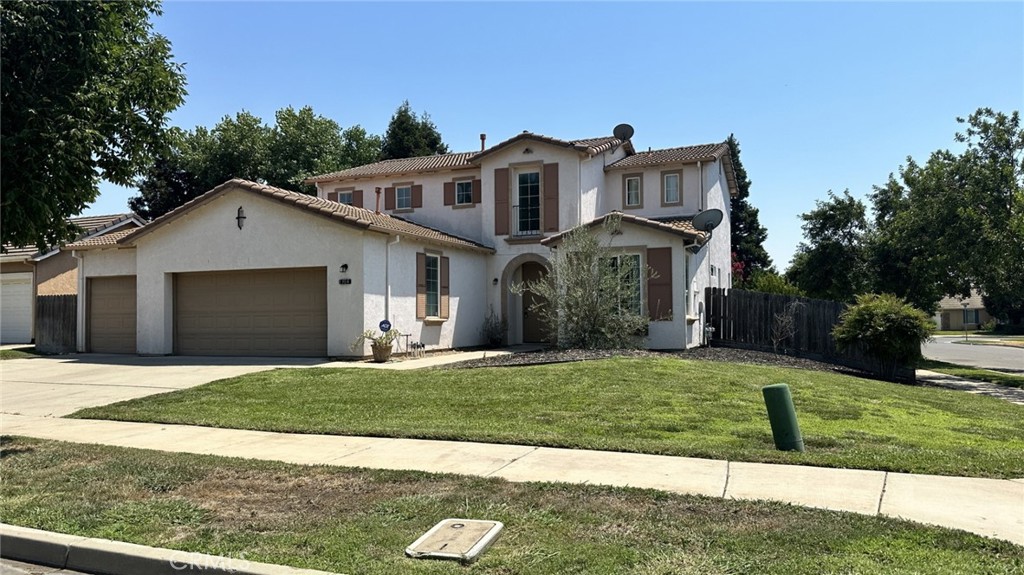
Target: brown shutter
{"points": [[444, 288], [551, 197], [501, 201], [389, 198], [417, 196], [659, 288], [449, 193], [357, 198], [421, 285], [332, 196], [478, 191]]}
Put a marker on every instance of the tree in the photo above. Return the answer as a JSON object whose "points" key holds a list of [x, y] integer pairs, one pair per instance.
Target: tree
{"points": [[589, 297], [86, 90], [748, 235], [830, 263], [769, 281], [358, 147], [409, 136], [302, 144]]}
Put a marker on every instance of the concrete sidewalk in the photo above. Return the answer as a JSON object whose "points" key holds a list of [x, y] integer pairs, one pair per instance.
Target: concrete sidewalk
{"points": [[1011, 394], [990, 507]]}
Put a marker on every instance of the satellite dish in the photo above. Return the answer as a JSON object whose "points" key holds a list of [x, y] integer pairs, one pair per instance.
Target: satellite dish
{"points": [[707, 220], [623, 132]]}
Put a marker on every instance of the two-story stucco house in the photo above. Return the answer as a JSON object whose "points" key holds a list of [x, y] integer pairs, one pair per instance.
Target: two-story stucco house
{"points": [[431, 244]]}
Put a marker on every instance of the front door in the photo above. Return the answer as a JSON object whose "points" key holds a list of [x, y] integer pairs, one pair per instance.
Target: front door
{"points": [[533, 328]]}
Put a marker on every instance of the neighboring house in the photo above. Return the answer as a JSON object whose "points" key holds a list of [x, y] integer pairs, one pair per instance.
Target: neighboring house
{"points": [[953, 315], [432, 244], [26, 273]]}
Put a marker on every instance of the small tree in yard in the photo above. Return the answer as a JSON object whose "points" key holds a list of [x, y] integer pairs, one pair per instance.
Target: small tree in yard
{"points": [[590, 297], [784, 325], [890, 329]]}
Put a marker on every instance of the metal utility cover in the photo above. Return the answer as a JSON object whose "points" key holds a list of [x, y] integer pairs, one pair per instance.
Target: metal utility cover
{"points": [[460, 539]]}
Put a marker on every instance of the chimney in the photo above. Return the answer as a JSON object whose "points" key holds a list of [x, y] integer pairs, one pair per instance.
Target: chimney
{"points": [[483, 139], [378, 200]]}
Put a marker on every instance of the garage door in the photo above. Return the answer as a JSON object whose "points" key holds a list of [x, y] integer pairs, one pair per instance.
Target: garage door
{"points": [[16, 308], [253, 312], [111, 315]]}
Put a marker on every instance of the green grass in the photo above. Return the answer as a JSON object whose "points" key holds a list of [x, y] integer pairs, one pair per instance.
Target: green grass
{"points": [[19, 353], [360, 521], [664, 406], [973, 373]]}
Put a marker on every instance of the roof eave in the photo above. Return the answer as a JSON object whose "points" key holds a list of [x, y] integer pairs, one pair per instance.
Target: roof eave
{"points": [[326, 180]]}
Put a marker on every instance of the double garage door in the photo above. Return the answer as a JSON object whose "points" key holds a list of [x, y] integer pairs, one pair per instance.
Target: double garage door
{"points": [[253, 312]]}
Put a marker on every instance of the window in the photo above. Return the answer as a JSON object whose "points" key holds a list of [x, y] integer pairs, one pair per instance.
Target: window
{"points": [[671, 186], [528, 209], [627, 266], [403, 198], [971, 316], [345, 197], [433, 291], [464, 193], [632, 191]]}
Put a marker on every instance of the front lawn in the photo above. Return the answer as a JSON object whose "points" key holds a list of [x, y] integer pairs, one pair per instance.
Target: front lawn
{"points": [[18, 353], [360, 521], [973, 373], [665, 406]]}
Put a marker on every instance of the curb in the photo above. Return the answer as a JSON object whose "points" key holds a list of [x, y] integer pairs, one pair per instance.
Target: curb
{"points": [[106, 557]]}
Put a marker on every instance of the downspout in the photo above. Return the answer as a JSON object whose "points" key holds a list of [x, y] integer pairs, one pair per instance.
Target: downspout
{"points": [[387, 276], [80, 312], [686, 297], [700, 201], [579, 182]]}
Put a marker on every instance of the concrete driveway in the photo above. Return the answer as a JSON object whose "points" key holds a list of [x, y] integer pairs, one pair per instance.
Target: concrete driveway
{"points": [[944, 348], [60, 385]]}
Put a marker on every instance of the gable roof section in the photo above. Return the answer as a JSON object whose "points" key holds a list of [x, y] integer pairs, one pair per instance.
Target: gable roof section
{"points": [[682, 155], [341, 213], [91, 226], [106, 240], [419, 164], [678, 225], [590, 146]]}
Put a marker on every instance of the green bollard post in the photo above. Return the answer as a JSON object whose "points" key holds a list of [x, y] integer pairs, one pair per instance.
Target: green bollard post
{"points": [[782, 416]]}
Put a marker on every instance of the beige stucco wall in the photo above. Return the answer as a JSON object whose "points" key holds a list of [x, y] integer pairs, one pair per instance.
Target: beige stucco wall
{"points": [[57, 275]]}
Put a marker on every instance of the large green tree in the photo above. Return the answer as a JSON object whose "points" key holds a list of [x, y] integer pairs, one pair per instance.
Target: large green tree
{"points": [[409, 136], [748, 235], [830, 262], [299, 144], [86, 90]]}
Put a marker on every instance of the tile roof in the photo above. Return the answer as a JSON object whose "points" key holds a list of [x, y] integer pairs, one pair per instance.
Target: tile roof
{"points": [[106, 240], [679, 225], [585, 145], [88, 224], [400, 166], [94, 223], [343, 213], [683, 155]]}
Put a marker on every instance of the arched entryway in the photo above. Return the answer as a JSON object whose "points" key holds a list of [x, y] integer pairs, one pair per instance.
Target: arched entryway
{"points": [[524, 324]]}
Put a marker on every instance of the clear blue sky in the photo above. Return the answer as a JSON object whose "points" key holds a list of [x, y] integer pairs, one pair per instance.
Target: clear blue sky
{"points": [[821, 96]]}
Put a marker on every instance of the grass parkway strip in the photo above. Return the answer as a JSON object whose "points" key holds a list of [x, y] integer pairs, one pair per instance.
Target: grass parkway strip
{"points": [[661, 406], [359, 521]]}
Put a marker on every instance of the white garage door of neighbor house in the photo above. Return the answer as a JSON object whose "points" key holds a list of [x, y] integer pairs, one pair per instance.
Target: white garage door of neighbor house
{"points": [[252, 312], [111, 314], [16, 308]]}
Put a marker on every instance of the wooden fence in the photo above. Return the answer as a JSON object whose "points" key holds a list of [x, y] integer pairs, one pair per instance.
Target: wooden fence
{"points": [[56, 323], [790, 325]]}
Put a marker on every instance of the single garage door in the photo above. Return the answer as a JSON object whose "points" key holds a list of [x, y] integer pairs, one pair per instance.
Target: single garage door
{"points": [[252, 312], [111, 315], [16, 310]]}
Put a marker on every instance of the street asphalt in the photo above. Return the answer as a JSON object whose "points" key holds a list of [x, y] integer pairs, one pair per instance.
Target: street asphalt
{"points": [[953, 349]]}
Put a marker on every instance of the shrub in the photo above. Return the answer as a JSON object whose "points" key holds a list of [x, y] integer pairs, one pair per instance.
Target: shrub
{"points": [[768, 281], [890, 329], [494, 329]]}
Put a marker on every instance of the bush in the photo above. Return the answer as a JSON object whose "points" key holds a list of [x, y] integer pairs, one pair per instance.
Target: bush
{"points": [[768, 281], [890, 329], [494, 329]]}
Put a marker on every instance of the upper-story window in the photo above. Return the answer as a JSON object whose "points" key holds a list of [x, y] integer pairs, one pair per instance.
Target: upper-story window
{"points": [[464, 193], [632, 191], [403, 198], [528, 207], [345, 197], [670, 185]]}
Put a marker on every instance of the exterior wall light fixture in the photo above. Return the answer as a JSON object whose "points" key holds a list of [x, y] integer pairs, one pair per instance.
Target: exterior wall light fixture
{"points": [[240, 217], [495, 282]]}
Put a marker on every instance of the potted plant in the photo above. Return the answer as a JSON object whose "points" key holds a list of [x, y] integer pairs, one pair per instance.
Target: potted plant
{"points": [[381, 345]]}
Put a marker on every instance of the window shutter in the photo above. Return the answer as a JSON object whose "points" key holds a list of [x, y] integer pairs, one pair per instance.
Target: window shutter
{"points": [[389, 198], [449, 193], [421, 285], [501, 202], [332, 196], [478, 191], [417, 196], [444, 288], [551, 197], [357, 198], [659, 288]]}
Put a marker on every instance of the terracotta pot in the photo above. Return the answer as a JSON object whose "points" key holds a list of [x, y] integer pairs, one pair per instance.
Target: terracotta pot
{"points": [[381, 352]]}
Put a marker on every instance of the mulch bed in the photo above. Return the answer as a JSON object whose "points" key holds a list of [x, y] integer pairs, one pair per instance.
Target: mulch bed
{"points": [[722, 354]]}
